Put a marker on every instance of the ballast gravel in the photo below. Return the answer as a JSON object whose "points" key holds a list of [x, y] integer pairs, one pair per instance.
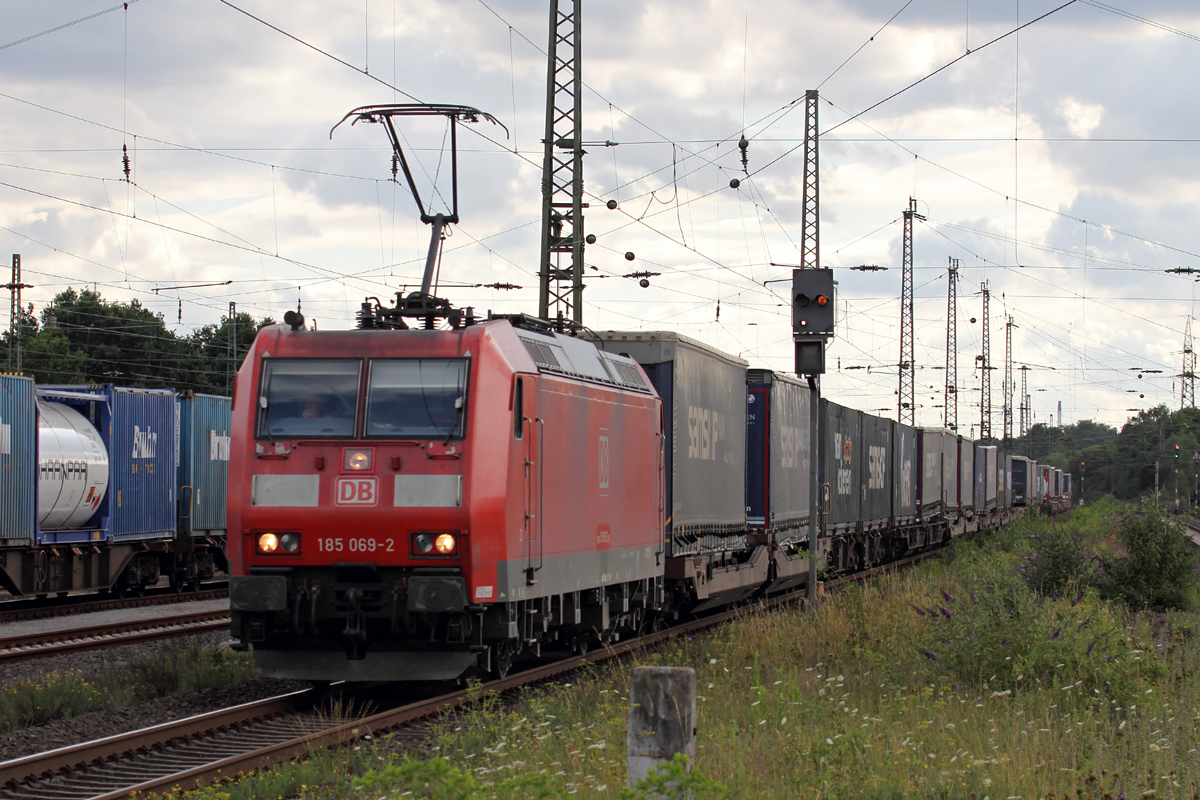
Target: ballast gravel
{"points": [[102, 660], [99, 724]]}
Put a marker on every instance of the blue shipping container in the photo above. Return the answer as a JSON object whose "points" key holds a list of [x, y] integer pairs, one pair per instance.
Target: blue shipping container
{"points": [[18, 460], [142, 458], [139, 428], [204, 425]]}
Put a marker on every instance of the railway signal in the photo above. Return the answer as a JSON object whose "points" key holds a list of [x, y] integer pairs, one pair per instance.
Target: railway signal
{"points": [[812, 318]]}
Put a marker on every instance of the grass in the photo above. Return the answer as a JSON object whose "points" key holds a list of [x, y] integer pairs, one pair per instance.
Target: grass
{"points": [[168, 670], [953, 680]]}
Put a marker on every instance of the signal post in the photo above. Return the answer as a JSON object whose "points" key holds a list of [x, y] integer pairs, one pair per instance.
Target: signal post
{"points": [[812, 328]]}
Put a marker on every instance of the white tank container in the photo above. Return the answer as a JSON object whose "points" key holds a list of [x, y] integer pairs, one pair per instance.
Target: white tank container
{"points": [[73, 467]]}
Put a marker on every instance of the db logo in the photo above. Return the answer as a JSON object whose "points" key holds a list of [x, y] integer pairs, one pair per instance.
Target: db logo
{"points": [[356, 492]]}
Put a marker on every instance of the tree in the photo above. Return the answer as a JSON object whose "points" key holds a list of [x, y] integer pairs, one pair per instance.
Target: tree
{"points": [[213, 343], [83, 338]]}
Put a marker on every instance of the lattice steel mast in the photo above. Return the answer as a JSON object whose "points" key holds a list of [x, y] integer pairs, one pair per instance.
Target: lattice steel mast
{"points": [[810, 222], [951, 401], [985, 403], [905, 399], [1008, 379], [14, 332], [560, 291], [1187, 394], [1024, 400]]}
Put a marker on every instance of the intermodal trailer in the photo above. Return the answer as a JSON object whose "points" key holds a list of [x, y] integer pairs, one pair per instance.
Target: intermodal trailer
{"points": [[18, 461], [966, 476], [876, 476], [704, 397], [778, 465], [986, 478], [841, 455], [950, 473], [931, 498], [905, 468]]}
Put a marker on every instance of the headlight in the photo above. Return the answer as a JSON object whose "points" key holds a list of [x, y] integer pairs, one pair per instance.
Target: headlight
{"points": [[358, 460], [423, 543], [268, 543], [290, 542], [445, 543]]}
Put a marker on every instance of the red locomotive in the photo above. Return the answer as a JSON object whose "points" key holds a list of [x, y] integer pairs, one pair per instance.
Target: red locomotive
{"points": [[415, 504]]}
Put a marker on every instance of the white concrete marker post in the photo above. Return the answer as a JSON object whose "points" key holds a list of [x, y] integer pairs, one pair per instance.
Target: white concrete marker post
{"points": [[662, 718]]}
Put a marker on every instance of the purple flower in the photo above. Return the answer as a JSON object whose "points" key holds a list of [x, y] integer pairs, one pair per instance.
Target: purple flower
{"points": [[1004, 642], [919, 610], [1077, 600], [948, 597], [1089, 650], [946, 613], [1054, 636], [930, 655]]}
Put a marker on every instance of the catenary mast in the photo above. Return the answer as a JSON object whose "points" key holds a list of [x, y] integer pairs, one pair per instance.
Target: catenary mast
{"points": [[560, 287]]}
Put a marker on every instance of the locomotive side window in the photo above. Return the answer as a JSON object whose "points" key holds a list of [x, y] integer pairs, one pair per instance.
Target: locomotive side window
{"points": [[313, 398], [421, 398]]}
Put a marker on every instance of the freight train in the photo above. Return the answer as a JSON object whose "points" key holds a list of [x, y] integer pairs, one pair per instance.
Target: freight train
{"points": [[108, 489], [429, 504]]}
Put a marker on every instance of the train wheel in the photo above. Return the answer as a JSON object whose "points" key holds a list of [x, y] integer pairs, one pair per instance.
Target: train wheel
{"points": [[581, 644], [178, 584], [502, 657]]}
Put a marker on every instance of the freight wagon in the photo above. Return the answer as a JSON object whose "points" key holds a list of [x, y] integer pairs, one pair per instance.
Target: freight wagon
{"points": [[92, 492]]}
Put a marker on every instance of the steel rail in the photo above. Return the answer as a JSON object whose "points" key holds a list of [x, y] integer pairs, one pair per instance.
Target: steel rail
{"points": [[72, 757], [93, 637], [23, 609], [160, 737]]}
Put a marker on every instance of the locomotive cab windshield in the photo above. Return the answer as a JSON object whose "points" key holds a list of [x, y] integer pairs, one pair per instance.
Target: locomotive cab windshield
{"points": [[308, 397], [416, 398], [410, 398]]}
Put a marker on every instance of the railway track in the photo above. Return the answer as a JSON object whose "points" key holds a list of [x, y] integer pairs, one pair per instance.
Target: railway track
{"points": [[40, 645], [184, 754], [44, 608]]}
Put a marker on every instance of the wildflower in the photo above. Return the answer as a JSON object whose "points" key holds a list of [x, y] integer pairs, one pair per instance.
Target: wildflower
{"points": [[946, 613], [1089, 650], [919, 610], [930, 655], [1054, 635], [948, 597], [1078, 600]]}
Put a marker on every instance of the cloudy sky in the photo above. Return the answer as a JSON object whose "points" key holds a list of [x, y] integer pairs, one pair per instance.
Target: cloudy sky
{"points": [[1058, 164]]}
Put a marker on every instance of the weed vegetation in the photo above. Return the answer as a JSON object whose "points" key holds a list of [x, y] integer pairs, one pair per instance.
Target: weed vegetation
{"points": [[1050, 659], [171, 669]]}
